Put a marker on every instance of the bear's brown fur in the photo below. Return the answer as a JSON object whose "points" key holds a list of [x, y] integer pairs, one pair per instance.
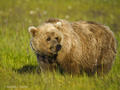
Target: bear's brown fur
{"points": [[84, 46]]}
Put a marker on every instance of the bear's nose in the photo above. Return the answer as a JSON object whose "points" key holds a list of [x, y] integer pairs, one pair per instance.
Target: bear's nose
{"points": [[58, 47]]}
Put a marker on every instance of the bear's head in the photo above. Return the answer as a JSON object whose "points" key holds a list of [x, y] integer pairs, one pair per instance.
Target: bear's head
{"points": [[46, 39]]}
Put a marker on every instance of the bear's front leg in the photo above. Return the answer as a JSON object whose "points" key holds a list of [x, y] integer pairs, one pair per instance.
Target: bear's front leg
{"points": [[68, 66], [46, 63]]}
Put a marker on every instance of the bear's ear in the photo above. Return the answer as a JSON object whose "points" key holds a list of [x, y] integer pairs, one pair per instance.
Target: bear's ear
{"points": [[58, 24], [32, 30]]}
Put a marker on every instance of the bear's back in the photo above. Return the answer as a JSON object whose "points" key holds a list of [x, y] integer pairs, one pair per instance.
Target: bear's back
{"points": [[97, 40]]}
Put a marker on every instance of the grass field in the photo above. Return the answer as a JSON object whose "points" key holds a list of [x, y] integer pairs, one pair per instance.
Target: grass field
{"points": [[18, 61]]}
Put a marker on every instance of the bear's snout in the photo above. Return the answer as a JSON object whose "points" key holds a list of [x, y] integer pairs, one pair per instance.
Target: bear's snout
{"points": [[55, 49], [58, 47]]}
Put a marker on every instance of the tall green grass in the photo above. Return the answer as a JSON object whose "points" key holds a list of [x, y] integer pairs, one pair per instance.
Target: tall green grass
{"points": [[17, 60]]}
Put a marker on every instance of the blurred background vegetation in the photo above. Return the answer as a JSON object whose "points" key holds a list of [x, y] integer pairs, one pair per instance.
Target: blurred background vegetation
{"points": [[17, 60]]}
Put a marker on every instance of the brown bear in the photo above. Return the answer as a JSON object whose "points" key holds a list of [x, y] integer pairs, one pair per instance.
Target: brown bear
{"points": [[75, 46]]}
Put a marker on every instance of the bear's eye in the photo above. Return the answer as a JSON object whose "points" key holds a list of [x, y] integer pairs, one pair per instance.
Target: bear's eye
{"points": [[48, 39], [56, 38]]}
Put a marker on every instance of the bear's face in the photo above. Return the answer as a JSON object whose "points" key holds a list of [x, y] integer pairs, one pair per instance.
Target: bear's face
{"points": [[46, 39]]}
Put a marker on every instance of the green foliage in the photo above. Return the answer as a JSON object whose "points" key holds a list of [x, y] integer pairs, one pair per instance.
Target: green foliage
{"points": [[17, 60]]}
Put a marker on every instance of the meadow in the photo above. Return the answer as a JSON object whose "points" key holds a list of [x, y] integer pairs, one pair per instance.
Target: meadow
{"points": [[18, 61]]}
